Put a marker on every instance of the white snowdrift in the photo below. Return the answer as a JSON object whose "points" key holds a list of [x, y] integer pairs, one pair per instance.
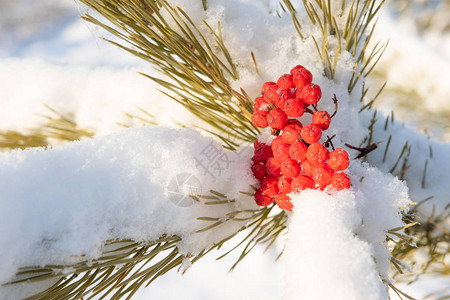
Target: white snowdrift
{"points": [[336, 242], [65, 202]]}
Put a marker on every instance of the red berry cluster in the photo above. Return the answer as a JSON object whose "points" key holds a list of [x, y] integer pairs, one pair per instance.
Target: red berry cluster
{"points": [[295, 160]]}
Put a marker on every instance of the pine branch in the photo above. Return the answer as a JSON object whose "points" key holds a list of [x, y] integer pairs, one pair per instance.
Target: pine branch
{"points": [[197, 65], [126, 265], [56, 127], [428, 236], [354, 37], [197, 69]]}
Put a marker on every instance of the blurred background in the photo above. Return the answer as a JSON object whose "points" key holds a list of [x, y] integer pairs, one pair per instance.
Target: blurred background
{"points": [[50, 38], [416, 64]]}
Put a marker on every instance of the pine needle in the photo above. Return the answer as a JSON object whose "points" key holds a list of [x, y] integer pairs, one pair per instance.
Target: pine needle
{"points": [[55, 126], [199, 77]]}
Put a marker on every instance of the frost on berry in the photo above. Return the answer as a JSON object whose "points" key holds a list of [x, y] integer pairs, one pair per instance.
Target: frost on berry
{"points": [[259, 120], [322, 119], [269, 186], [311, 133], [322, 174], [291, 133], [290, 168], [284, 202], [297, 151], [266, 86], [339, 159], [311, 93], [261, 106], [340, 181], [317, 153], [294, 107], [284, 185], [285, 82], [273, 167], [277, 119], [302, 182], [261, 199]]}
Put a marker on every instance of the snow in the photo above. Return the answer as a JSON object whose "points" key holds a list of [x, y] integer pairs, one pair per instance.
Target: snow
{"points": [[416, 69], [115, 185], [337, 239], [102, 105], [119, 186]]}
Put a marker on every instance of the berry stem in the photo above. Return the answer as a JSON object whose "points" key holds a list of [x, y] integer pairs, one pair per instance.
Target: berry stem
{"points": [[275, 132], [309, 111], [329, 141], [335, 100], [364, 151]]}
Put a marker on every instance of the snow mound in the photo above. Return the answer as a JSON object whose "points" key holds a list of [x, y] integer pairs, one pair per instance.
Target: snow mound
{"points": [[336, 242], [63, 203]]}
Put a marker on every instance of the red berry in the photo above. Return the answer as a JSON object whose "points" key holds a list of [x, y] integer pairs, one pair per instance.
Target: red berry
{"points": [[302, 182], [296, 69], [277, 119], [273, 167], [322, 119], [298, 94], [322, 174], [311, 93], [261, 199], [307, 168], [277, 141], [285, 82], [340, 181], [284, 185], [311, 133], [269, 186], [317, 153], [257, 144], [290, 168], [259, 171], [297, 151], [339, 159], [283, 96], [284, 202], [266, 86], [271, 94], [301, 77], [291, 133], [259, 120], [294, 121], [262, 152], [280, 150], [294, 107], [261, 106]]}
